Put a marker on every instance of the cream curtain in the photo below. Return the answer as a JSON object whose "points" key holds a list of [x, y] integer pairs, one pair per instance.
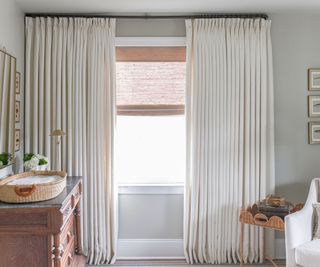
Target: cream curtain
{"points": [[230, 143], [70, 85]]}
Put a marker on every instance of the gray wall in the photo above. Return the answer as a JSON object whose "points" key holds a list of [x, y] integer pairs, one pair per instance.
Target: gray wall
{"points": [[150, 216], [150, 27], [296, 47]]}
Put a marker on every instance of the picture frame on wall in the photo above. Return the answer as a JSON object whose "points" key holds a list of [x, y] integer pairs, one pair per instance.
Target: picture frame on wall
{"points": [[17, 111], [18, 76], [314, 79], [314, 106], [314, 133], [17, 140]]}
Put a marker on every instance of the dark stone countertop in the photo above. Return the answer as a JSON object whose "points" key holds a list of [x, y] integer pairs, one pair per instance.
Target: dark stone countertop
{"points": [[72, 182]]}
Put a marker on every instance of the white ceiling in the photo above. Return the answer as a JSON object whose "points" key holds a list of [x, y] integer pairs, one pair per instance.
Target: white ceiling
{"points": [[169, 6]]}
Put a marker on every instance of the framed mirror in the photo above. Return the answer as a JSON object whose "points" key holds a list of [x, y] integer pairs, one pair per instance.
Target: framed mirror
{"points": [[7, 108]]}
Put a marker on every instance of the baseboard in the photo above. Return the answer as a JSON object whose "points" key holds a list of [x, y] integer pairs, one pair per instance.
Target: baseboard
{"points": [[280, 248], [145, 249], [168, 249], [149, 263]]}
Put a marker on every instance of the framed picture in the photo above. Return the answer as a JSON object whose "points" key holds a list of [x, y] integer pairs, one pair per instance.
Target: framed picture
{"points": [[314, 105], [18, 82], [17, 111], [314, 133], [17, 140]]}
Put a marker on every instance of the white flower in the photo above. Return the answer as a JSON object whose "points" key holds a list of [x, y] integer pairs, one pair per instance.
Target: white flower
{"points": [[32, 163], [1, 163]]}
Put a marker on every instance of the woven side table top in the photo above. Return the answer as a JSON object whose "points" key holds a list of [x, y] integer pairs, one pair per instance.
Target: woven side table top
{"points": [[253, 217]]}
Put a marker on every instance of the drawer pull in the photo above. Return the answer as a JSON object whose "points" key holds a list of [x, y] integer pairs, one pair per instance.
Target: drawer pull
{"points": [[70, 258], [69, 236], [67, 211]]}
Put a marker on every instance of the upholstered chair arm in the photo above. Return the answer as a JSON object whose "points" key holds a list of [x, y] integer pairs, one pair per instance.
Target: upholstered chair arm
{"points": [[299, 225]]}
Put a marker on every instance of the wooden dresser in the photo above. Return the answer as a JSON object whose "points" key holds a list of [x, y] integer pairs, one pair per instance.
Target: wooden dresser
{"points": [[43, 234]]}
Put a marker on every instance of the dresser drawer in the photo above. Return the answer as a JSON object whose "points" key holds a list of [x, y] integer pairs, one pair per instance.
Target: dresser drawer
{"points": [[68, 254], [67, 238], [13, 219], [67, 210], [67, 232], [71, 203], [76, 194]]}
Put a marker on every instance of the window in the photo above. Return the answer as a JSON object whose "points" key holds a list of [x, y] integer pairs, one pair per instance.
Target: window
{"points": [[150, 135]]}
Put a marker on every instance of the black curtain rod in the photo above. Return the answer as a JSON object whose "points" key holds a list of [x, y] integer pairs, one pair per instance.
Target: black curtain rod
{"points": [[200, 16]]}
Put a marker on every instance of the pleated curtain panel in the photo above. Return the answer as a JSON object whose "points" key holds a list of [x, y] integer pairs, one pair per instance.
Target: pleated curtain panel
{"points": [[70, 85], [230, 136]]}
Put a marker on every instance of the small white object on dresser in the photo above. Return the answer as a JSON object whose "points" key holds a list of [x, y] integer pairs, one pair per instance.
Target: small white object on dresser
{"points": [[6, 171]]}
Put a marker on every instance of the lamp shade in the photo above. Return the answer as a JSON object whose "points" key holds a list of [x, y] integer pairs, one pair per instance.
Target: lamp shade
{"points": [[58, 132]]}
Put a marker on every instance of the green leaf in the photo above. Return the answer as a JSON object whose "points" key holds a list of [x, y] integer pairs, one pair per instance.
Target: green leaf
{"points": [[4, 157], [27, 156], [42, 162]]}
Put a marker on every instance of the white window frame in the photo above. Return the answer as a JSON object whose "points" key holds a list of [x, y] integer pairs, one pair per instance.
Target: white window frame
{"points": [[150, 189]]}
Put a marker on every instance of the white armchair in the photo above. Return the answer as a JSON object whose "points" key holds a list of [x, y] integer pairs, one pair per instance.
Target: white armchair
{"points": [[301, 250]]}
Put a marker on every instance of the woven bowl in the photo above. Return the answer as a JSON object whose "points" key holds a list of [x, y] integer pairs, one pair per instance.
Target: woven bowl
{"points": [[32, 192]]}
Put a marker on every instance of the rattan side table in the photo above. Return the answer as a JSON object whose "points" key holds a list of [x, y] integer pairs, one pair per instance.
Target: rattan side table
{"points": [[252, 217]]}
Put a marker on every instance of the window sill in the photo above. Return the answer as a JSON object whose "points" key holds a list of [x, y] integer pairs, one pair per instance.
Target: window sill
{"points": [[151, 189]]}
